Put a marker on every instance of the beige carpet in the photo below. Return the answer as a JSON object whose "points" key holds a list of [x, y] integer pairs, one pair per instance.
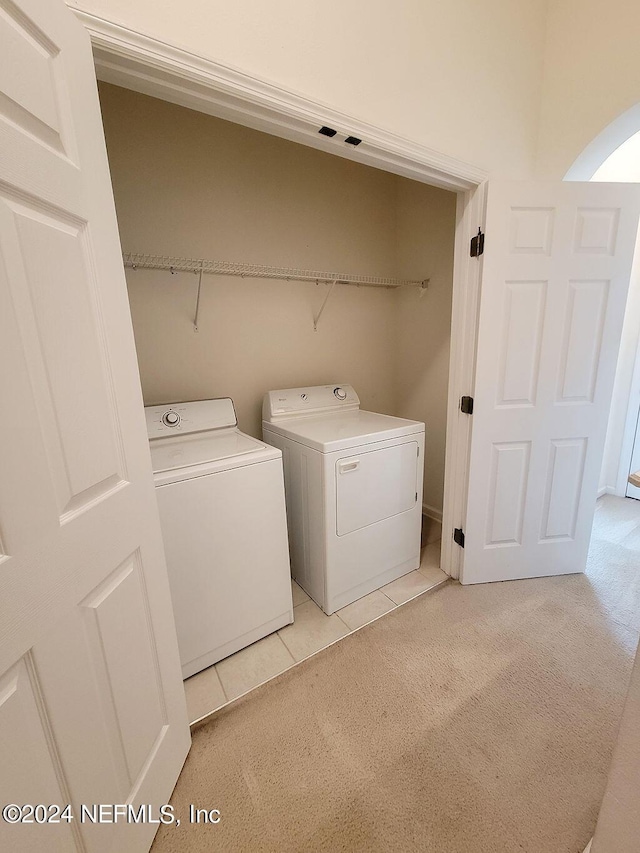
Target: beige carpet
{"points": [[471, 720]]}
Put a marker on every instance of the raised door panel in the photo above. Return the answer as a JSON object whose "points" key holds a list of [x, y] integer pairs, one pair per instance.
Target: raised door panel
{"points": [[524, 311], [32, 95], [121, 705], [22, 486], [596, 230], [531, 230], [507, 491], [34, 771], [120, 636], [57, 315], [582, 341], [565, 473]]}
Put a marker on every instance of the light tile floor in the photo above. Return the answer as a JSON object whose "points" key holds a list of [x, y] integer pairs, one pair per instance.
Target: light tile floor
{"points": [[311, 631]]}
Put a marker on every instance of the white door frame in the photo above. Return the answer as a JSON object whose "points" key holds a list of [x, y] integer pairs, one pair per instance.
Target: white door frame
{"points": [[467, 277], [135, 61]]}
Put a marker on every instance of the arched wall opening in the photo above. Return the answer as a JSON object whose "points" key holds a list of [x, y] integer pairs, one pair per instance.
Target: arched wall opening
{"points": [[605, 145], [614, 155]]}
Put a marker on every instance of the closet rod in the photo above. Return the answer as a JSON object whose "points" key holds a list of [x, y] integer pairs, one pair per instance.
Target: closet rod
{"points": [[197, 265]]}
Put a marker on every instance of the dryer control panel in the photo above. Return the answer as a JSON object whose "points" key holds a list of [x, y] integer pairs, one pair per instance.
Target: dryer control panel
{"points": [[313, 400]]}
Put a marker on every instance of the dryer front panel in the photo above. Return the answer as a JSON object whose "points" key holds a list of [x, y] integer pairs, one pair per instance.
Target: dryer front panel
{"points": [[372, 517], [374, 485]]}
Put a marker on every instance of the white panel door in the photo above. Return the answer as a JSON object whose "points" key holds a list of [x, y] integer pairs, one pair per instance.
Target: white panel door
{"points": [[91, 701], [554, 286]]}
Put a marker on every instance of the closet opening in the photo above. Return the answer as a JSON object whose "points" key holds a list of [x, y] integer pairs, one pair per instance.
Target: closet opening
{"points": [[192, 191]]}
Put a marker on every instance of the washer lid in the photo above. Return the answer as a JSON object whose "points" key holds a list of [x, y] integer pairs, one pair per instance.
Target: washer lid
{"points": [[201, 448], [342, 430]]}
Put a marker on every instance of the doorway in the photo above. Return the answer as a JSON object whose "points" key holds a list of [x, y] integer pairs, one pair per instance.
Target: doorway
{"points": [[220, 92], [190, 185], [622, 448], [135, 62]]}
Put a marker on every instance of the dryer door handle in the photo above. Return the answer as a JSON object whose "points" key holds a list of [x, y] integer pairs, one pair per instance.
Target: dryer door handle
{"points": [[348, 465]]}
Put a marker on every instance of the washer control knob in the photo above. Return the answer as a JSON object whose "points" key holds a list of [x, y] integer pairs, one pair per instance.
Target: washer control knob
{"points": [[340, 393], [171, 419]]}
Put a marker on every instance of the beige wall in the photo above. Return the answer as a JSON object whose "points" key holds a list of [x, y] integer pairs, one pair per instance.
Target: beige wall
{"points": [[459, 77], [618, 828], [518, 88], [187, 184], [591, 76], [425, 224]]}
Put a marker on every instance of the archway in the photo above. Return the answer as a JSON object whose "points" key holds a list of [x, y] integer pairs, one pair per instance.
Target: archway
{"points": [[614, 155], [604, 145]]}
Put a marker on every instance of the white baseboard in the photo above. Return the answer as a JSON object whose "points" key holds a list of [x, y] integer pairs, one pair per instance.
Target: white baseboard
{"points": [[432, 512], [588, 847], [609, 490]]}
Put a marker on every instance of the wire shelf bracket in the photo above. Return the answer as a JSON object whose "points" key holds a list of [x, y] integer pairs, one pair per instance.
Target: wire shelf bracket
{"points": [[316, 319], [200, 266]]}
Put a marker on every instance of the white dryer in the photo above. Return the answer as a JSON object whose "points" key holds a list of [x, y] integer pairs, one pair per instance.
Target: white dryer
{"points": [[353, 482], [221, 500]]}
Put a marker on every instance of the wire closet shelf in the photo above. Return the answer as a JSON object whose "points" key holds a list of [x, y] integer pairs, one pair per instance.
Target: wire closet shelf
{"points": [[195, 265], [201, 266]]}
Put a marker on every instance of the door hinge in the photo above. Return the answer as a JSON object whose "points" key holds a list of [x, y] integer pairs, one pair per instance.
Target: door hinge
{"points": [[466, 405], [477, 244], [458, 537]]}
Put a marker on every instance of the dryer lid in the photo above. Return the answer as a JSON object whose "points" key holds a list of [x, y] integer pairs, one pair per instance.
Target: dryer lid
{"points": [[200, 449], [343, 430]]}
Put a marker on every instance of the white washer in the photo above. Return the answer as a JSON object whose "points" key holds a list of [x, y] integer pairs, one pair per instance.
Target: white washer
{"points": [[353, 482], [221, 500]]}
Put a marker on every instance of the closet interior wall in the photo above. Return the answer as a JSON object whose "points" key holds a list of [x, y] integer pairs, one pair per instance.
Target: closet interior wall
{"points": [[189, 185]]}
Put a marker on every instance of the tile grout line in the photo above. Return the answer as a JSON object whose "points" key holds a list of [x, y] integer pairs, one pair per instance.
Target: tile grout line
{"points": [[350, 630], [268, 678], [224, 692], [287, 647]]}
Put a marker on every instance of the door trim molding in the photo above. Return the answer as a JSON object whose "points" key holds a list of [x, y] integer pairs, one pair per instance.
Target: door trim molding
{"points": [[136, 61], [467, 277]]}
